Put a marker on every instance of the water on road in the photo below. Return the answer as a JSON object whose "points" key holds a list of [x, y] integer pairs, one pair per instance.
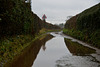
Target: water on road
{"points": [[61, 52]]}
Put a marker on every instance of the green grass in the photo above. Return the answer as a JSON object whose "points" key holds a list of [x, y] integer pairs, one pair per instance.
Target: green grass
{"points": [[92, 38], [12, 46], [78, 49], [27, 56]]}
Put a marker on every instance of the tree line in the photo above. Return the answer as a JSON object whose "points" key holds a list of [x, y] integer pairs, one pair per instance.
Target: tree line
{"points": [[86, 25], [16, 18]]}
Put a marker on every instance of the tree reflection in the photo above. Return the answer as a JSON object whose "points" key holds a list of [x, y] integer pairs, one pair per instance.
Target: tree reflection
{"points": [[28, 56], [44, 47]]}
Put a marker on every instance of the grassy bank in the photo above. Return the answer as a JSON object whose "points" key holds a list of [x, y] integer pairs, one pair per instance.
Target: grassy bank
{"points": [[85, 26], [92, 38], [78, 49], [12, 46], [18, 27], [28, 54]]}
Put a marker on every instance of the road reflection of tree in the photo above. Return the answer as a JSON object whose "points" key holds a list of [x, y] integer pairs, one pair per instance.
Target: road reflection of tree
{"points": [[26, 59], [43, 47]]}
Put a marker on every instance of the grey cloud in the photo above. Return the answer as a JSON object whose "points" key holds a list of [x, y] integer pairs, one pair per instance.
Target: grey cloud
{"points": [[58, 10]]}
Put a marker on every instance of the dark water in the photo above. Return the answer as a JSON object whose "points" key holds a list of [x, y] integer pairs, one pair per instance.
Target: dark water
{"points": [[62, 52]]}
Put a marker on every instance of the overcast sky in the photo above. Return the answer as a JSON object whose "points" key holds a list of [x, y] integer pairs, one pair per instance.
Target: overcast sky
{"points": [[58, 10]]}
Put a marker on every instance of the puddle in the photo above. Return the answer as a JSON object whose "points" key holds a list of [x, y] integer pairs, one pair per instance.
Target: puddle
{"points": [[55, 48], [81, 56], [57, 51], [77, 61], [61, 52]]}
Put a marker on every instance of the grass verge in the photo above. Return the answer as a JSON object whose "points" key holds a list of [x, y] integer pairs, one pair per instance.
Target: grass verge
{"points": [[92, 38], [12, 46]]}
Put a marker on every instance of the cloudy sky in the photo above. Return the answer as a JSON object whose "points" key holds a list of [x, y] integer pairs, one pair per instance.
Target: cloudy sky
{"points": [[58, 10]]}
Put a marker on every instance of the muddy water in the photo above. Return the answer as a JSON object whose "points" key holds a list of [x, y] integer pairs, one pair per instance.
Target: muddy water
{"points": [[62, 52]]}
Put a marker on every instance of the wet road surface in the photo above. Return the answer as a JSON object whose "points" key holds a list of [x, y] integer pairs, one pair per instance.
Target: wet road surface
{"points": [[61, 51]]}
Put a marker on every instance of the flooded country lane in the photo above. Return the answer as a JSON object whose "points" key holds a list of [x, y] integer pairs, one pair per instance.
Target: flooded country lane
{"points": [[65, 51], [57, 50]]}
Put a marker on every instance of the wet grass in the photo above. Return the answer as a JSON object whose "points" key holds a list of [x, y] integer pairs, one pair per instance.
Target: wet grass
{"points": [[29, 53], [10, 47], [78, 49], [92, 38]]}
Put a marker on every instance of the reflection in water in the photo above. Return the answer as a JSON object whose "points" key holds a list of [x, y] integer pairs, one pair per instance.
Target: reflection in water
{"points": [[77, 61], [78, 49], [28, 56], [57, 55], [43, 47], [81, 56], [55, 49]]}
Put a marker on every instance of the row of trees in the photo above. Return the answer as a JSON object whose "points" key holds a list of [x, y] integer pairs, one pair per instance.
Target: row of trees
{"points": [[17, 18], [86, 25], [88, 19]]}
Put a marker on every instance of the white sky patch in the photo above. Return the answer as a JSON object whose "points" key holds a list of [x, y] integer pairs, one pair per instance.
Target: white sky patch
{"points": [[58, 10]]}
